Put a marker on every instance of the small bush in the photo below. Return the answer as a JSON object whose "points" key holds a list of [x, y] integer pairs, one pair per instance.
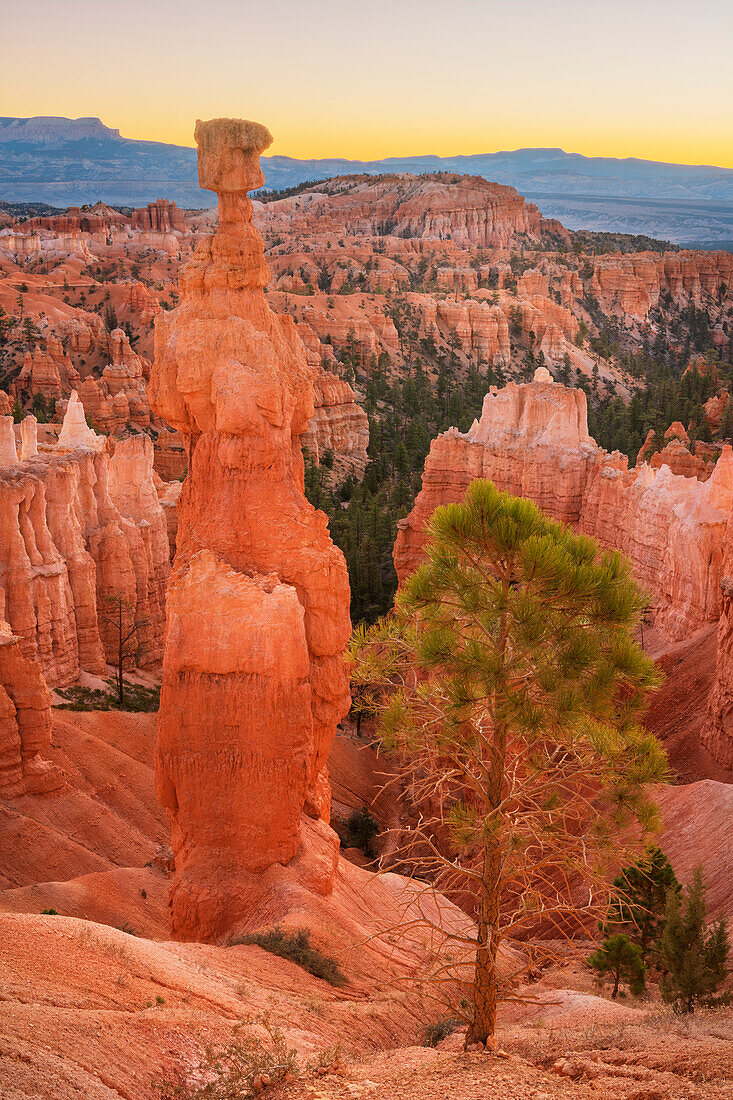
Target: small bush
{"points": [[434, 1033], [137, 698], [238, 1070], [49, 912], [361, 828], [296, 947]]}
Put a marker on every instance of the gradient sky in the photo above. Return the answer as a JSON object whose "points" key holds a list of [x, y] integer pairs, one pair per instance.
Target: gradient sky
{"points": [[375, 78]]}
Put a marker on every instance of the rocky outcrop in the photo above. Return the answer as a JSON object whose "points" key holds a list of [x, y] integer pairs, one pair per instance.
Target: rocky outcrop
{"points": [[632, 283], [717, 730], [338, 425], [77, 527], [254, 681], [47, 371], [468, 210], [119, 398], [163, 216], [25, 722], [170, 460], [679, 454], [532, 440]]}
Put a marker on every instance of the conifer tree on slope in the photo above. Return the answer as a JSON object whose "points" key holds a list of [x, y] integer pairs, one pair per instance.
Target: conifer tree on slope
{"points": [[694, 958], [619, 960], [509, 683], [638, 908]]}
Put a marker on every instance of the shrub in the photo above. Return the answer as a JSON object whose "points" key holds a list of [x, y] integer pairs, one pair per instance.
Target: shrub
{"points": [[138, 698], [361, 828], [639, 907], [239, 1070], [434, 1033], [296, 947]]}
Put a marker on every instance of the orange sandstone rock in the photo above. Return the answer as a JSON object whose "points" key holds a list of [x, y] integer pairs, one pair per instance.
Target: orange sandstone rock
{"points": [[338, 424], [72, 531], [25, 722], [254, 681], [532, 440]]}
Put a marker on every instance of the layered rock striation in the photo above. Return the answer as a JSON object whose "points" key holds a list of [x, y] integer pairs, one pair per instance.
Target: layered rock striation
{"points": [[338, 425], [717, 731], [254, 681], [25, 722], [532, 441], [77, 527]]}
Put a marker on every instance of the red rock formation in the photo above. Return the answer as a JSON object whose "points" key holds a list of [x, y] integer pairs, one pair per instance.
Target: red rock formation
{"points": [[466, 209], [533, 282], [714, 408], [119, 397], [25, 722], [338, 424], [698, 462], [632, 283], [457, 278], [162, 216], [254, 681], [532, 441], [170, 460], [48, 371], [550, 323], [73, 533], [717, 731]]}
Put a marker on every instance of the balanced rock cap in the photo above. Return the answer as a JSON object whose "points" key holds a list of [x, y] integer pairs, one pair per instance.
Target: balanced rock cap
{"points": [[229, 152]]}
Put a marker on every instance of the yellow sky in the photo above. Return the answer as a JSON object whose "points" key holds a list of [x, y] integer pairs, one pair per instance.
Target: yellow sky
{"points": [[374, 78]]}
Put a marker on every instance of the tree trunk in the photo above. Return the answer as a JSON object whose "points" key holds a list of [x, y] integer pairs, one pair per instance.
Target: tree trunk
{"points": [[614, 994], [485, 982]]}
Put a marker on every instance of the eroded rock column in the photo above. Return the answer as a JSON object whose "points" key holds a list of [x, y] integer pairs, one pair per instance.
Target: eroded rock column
{"points": [[254, 681]]}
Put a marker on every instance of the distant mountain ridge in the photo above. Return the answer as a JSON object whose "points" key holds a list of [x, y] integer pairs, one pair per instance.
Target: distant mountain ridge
{"points": [[75, 161]]}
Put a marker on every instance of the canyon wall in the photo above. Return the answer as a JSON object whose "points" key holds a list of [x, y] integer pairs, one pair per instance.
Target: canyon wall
{"points": [[532, 440], [717, 731], [25, 722], [632, 284], [338, 425], [254, 681], [77, 527]]}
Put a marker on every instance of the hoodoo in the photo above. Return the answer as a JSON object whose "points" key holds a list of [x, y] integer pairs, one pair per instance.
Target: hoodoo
{"points": [[254, 682]]}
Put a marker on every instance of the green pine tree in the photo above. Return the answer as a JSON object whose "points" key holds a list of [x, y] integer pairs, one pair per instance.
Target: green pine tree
{"points": [[638, 909], [618, 960], [695, 959], [509, 682]]}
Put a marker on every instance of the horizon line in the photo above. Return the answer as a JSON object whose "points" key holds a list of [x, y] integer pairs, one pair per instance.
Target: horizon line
{"points": [[395, 156]]}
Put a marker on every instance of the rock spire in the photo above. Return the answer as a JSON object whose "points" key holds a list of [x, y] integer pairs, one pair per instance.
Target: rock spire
{"points": [[254, 681]]}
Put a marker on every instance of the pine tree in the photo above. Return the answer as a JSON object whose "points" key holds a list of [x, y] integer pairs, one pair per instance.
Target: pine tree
{"points": [[694, 959], [509, 683], [638, 908], [619, 960]]}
